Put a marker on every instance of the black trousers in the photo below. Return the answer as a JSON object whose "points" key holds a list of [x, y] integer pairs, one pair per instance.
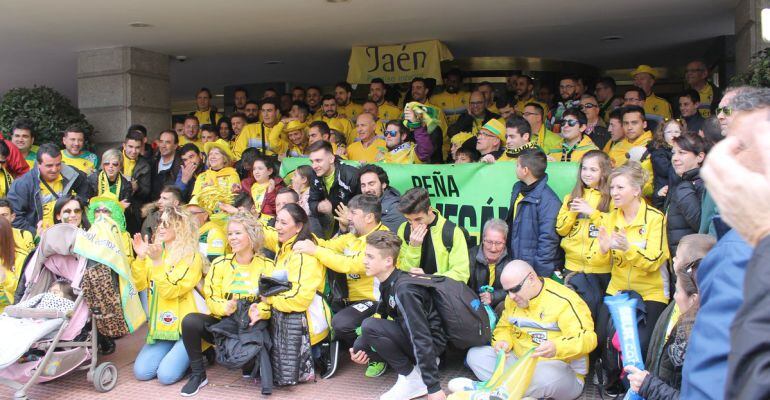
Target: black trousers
{"points": [[194, 329], [653, 308], [346, 321], [384, 340]]}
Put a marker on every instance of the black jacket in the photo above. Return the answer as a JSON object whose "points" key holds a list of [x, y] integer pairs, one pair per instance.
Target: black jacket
{"points": [[391, 217], [164, 178], [413, 309], [600, 136], [662, 172], [653, 388], [125, 186], [344, 187], [748, 372], [465, 124], [479, 269], [683, 208]]}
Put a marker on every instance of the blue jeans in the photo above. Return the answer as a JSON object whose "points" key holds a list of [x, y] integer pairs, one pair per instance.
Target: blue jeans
{"points": [[165, 359]]}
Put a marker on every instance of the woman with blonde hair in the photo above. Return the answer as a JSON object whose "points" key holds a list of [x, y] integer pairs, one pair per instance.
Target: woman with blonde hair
{"points": [[634, 236], [660, 157], [232, 279], [169, 268], [109, 182]]}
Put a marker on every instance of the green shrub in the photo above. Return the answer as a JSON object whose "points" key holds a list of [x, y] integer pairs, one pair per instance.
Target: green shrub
{"points": [[50, 111], [758, 73]]}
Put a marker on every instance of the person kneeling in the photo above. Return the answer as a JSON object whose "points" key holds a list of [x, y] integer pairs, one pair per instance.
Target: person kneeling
{"points": [[409, 343], [544, 314]]}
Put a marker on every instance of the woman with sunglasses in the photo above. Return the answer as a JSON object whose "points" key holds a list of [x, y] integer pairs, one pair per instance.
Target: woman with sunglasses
{"points": [[109, 182], [169, 268], [69, 210], [634, 236]]}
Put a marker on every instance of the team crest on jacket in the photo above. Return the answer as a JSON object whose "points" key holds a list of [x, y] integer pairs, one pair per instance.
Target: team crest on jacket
{"points": [[642, 231], [392, 302], [168, 318]]}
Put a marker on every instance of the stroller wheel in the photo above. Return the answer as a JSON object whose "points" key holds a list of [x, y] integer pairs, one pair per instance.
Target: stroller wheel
{"points": [[105, 377]]}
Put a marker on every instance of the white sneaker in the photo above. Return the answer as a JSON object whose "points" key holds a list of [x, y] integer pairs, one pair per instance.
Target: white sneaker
{"points": [[462, 384], [407, 387]]}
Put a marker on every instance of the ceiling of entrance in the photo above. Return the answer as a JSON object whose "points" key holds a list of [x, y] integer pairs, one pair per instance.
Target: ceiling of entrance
{"points": [[228, 42]]}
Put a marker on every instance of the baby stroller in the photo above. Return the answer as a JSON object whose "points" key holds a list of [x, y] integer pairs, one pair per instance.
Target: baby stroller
{"points": [[52, 343]]}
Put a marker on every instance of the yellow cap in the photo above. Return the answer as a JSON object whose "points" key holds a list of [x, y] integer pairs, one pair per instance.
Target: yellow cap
{"points": [[495, 127], [294, 125], [221, 145], [460, 138], [645, 69]]}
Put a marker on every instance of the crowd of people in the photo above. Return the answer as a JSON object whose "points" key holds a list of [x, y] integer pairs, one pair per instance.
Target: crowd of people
{"points": [[206, 216]]}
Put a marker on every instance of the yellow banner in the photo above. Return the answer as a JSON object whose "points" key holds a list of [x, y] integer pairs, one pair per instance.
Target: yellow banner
{"points": [[397, 63]]}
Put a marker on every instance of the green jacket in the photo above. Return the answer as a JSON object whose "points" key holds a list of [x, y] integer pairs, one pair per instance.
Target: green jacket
{"points": [[452, 264]]}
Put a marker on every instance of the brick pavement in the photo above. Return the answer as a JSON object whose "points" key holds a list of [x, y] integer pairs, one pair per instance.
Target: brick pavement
{"points": [[348, 384]]}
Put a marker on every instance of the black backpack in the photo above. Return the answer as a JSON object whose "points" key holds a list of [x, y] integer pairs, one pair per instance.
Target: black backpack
{"points": [[465, 321], [447, 234], [610, 363]]}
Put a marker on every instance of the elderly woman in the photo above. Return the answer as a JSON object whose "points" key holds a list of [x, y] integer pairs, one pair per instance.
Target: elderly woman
{"points": [[109, 182], [219, 173], [487, 261]]}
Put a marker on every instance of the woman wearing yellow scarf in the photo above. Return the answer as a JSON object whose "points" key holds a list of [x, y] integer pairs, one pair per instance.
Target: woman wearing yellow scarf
{"points": [[109, 182], [306, 274], [231, 277], [169, 268], [220, 173]]}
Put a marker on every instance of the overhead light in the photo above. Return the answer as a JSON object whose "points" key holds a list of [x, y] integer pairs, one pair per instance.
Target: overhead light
{"points": [[611, 38], [765, 21], [219, 95], [273, 62], [139, 25], [338, 1]]}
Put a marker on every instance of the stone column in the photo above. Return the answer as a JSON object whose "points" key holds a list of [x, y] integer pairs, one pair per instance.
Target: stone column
{"points": [[748, 31], [121, 86]]}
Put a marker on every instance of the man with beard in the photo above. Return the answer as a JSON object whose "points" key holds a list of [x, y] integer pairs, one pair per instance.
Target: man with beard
{"points": [[525, 94], [476, 115], [313, 99], [343, 92], [569, 99], [334, 120], [259, 134], [377, 92], [374, 182], [452, 100], [403, 151], [240, 97]]}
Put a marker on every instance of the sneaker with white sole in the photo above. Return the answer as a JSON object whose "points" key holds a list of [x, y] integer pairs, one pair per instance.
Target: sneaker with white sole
{"points": [[407, 387], [332, 358], [462, 385]]}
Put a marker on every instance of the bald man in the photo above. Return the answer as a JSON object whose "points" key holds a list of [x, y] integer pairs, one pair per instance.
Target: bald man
{"points": [[368, 148], [548, 316]]}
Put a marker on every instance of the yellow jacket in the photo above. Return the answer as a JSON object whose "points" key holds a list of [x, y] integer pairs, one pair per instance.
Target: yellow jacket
{"points": [[225, 178], [228, 280], [387, 112], [340, 124], [617, 152], [307, 277], [11, 280], [453, 104], [556, 314], [523, 103], [24, 240], [345, 254], [204, 117], [574, 154], [212, 240], [6, 179], [454, 264], [251, 136], [641, 268], [170, 293], [403, 154], [657, 108], [547, 140], [183, 140], [580, 236]]}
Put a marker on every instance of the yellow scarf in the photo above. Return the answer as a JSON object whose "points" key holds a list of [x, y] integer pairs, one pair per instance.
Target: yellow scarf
{"points": [[128, 165], [104, 186]]}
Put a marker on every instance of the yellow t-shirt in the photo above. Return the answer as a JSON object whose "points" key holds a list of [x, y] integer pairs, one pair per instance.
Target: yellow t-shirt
{"points": [[351, 110], [48, 199], [387, 112], [183, 140], [370, 154], [23, 240], [341, 124], [86, 161], [523, 103], [258, 192], [404, 154], [656, 108], [212, 241], [204, 117], [706, 97]]}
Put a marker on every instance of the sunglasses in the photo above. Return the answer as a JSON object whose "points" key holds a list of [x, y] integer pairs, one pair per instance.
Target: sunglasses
{"points": [[517, 288], [570, 122], [727, 110], [391, 133], [588, 106]]}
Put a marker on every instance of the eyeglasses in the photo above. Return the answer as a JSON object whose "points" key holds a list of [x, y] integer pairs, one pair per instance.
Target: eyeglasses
{"points": [[391, 133], [517, 288], [491, 243], [570, 122], [102, 210], [588, 106], [726, 110]]}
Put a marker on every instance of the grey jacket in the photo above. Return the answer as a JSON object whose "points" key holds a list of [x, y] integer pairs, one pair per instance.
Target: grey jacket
{"points": [[391, 217]]}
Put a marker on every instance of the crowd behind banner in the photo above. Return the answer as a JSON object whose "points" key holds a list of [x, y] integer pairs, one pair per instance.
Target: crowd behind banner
{"points": [[393, 231]]}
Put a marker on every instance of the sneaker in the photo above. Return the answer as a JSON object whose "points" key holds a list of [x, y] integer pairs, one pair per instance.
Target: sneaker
{"points": [[462, 385], [331, 360], [407, 387], [194, 385], [375, 369]]}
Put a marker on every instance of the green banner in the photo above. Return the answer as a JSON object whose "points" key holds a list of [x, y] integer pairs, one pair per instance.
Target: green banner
{"points": [[468, 194]]}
